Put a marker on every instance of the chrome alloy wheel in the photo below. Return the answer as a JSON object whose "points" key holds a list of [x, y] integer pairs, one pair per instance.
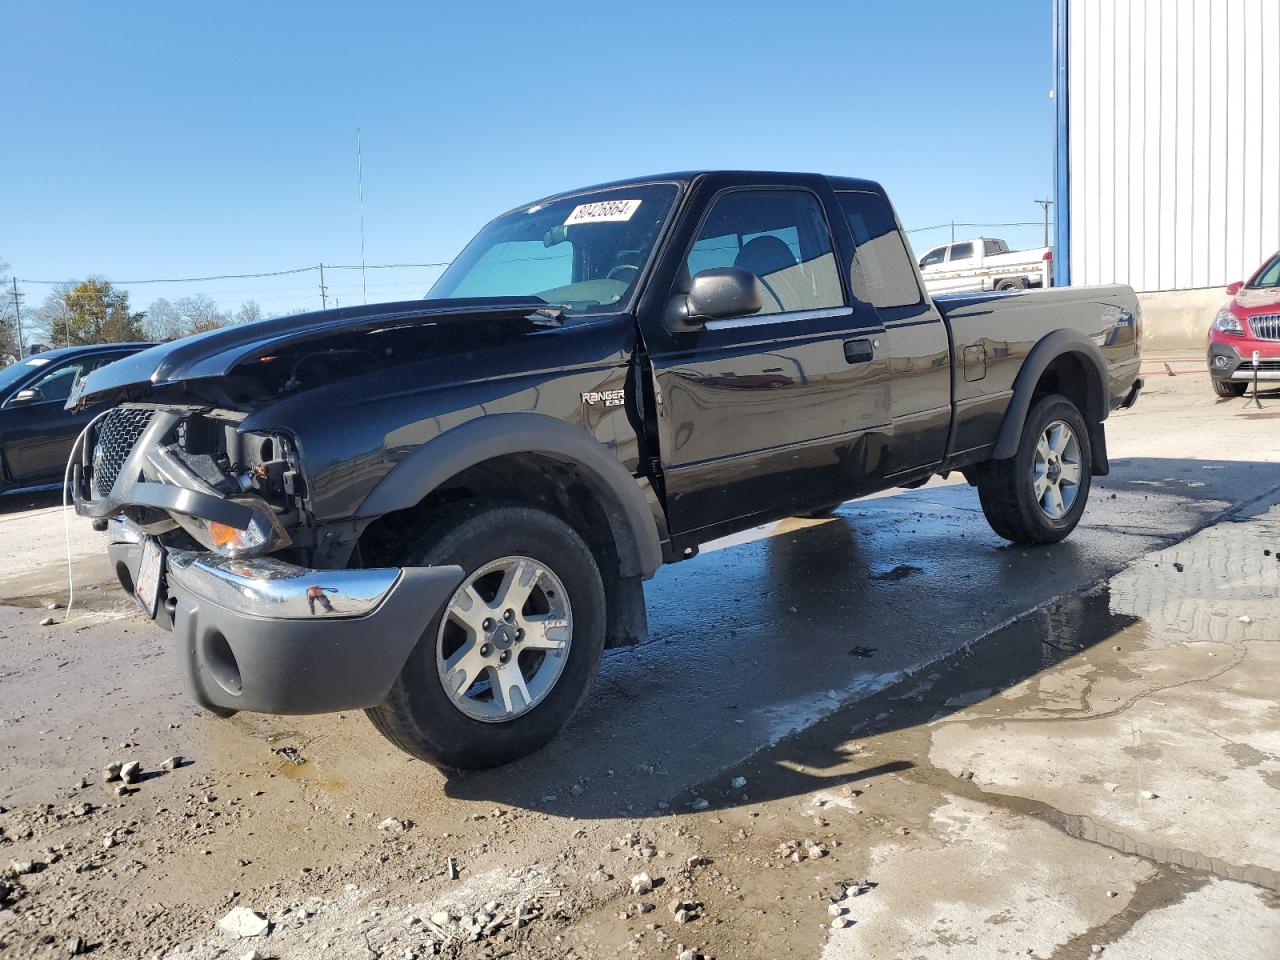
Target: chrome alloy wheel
{"points": [[504, 639], [1055, 471]]}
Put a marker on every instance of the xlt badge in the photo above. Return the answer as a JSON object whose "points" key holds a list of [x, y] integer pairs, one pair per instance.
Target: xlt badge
{"points": [[610, 398]]}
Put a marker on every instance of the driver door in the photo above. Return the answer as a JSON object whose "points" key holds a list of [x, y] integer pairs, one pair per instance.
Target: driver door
{"points": [[787, 408]]}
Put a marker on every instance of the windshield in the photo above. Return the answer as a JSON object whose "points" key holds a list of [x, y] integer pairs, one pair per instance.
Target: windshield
{"points": [[583, 253], [1268, 276], [16, 371]]}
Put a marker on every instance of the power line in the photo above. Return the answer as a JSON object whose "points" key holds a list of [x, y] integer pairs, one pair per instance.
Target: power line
{"points": [[248, 276]]}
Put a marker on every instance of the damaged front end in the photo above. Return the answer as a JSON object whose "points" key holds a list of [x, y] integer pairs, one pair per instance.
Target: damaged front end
{"points": [[209, 531]]}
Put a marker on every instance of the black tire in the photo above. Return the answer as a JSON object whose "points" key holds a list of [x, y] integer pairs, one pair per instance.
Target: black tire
{"points": [[418, 715], [1006, 487], [1229, 388], [1016, 283]]}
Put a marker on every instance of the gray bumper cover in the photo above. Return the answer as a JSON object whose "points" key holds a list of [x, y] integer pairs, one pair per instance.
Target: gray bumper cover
{"points": [[271, 637]]}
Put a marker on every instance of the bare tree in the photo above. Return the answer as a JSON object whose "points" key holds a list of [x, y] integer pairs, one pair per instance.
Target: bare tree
{"points": [[163, 321], [249, 312], [8, 326], [200, 313]]}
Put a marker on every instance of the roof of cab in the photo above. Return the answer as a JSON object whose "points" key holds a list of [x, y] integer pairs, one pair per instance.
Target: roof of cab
{"points": [[688, 176]]}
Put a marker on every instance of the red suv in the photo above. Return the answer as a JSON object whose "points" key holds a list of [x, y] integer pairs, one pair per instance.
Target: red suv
{"points": [[1244, 340]]}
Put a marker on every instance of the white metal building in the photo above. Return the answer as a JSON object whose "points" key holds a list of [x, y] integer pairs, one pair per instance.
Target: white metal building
{"points": [[1168, 141]]}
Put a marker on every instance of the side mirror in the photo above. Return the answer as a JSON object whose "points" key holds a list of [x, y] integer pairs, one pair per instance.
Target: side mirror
{"points": [[1234, 288], [27, 396], [715, 294]]}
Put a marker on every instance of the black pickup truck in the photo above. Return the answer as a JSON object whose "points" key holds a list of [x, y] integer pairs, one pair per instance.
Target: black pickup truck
{"points": [[442, 511]]}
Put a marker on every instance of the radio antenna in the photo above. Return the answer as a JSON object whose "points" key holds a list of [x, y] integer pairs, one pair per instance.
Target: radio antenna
{"points": [[364, 281]]}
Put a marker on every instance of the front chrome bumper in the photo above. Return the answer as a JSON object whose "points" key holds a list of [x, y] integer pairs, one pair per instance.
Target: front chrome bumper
{"points": [[264, 635]]}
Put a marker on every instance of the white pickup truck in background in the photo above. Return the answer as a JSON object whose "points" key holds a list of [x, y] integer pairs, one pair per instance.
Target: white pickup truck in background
{"points": [[985, 264]]}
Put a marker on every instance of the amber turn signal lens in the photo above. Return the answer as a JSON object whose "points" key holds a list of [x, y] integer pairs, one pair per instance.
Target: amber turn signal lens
{"points": [[222, 534]]}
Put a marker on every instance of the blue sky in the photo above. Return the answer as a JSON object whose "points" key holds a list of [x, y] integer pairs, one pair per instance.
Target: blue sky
{"points": [[173, 140]]}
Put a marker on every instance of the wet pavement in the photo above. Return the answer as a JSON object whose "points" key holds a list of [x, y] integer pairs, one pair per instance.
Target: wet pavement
{"points": [[1007, 709]]}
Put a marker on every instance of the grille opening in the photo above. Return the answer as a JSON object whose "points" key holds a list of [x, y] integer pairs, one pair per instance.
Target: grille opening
{"points": [[117, 436], [221, 662]]}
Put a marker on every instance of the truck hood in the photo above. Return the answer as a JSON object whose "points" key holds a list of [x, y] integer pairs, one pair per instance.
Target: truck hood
{"points": [[217, 352]]}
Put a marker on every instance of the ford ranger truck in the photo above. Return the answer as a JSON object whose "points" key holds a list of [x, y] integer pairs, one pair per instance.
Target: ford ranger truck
{"points": [[443, 511]]}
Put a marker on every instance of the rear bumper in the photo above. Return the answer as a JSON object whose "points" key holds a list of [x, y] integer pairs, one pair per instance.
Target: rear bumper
{"points": [[263, 635]]}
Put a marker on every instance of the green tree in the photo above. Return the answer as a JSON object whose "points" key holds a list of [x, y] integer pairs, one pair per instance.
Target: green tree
{"points": [[93, 311]]}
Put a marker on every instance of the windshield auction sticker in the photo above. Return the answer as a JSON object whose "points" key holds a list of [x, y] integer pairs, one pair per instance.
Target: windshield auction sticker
{"points": [[603, 211]]}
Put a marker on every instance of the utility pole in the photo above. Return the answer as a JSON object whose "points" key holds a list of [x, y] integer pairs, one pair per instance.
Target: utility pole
{"points": [[324, 300], [1046, 203], [953, 231], [17, 316]]}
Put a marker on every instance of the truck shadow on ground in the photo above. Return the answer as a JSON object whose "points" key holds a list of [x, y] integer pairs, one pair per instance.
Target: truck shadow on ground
{"points": [[862, 582], [33, 498]]}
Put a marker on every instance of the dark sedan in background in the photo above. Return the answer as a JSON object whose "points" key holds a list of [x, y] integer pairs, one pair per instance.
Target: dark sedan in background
{"points": [[36, 430]]}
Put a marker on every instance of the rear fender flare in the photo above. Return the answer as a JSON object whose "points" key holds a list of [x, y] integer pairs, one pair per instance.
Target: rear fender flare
{"points": [[1047, 350], [495, 435]]}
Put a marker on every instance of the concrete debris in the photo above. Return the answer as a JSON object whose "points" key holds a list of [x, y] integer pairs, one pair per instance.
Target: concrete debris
{"points": [[131, 772], [48, 622], [701, 803], [251, 955], [122, 790], [395, 825], [1150, 795], [1245, 618], [76, 946], [21, 867], [111, 772], [738, 783], [452, 869], [172, 763], [53, 605], [687, 954], [80, 809], [697, 861], [641, 884], [839, 923], [109, 841], [242, 922], [835, 910]]}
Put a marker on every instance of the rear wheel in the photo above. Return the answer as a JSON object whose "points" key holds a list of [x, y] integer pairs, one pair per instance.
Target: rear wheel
{"points": [[1015, 283], [1229, 388], [507, 661], [1038, 495]]}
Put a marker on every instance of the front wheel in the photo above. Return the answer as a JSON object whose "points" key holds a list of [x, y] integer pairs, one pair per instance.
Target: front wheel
{"points": [[1037, 496], [507, 661], [1229, 388]]}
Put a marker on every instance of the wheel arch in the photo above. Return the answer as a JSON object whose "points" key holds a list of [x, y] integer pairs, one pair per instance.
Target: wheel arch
{"points": [[488, 439], [1066, 362]]}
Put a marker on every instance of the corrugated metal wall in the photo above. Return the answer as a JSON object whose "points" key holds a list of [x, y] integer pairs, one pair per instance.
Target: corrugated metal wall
{"points": [[1173, 127]]}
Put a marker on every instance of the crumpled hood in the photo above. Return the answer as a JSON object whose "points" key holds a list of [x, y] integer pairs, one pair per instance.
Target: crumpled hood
{"points": [[215, 353]]}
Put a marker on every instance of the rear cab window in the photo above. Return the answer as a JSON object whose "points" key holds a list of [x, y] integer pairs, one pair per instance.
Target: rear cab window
{"points": [[881, 273], [961, 251]]}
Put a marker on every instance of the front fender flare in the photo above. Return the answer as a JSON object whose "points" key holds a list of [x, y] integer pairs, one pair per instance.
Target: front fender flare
{"points": [[494, 435], [1048, 349]]}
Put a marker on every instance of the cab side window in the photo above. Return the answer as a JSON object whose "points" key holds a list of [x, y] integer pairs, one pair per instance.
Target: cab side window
{"points": [[881, 272], [961, 251], [937, 255], [780, 236], [57, 383]]}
